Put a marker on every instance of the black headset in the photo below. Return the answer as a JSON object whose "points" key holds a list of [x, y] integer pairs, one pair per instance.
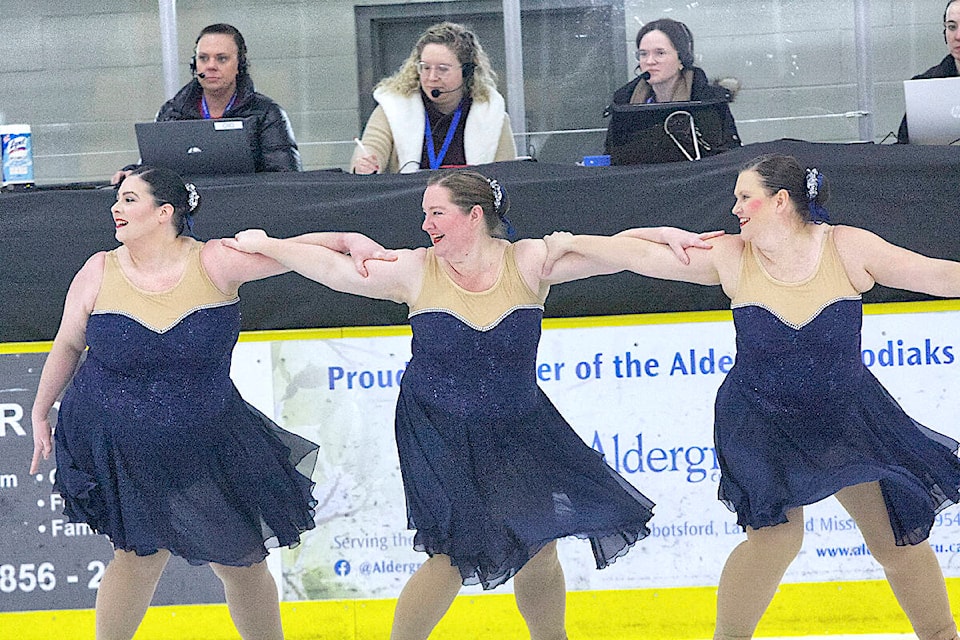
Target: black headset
{"points": [[686, 58], [467, 68]]}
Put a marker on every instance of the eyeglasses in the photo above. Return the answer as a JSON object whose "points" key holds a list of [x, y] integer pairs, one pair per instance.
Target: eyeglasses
{"points": [[657, 54], [442, 70]]}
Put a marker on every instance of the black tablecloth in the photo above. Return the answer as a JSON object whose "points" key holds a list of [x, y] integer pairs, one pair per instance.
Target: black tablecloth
{"points": [[907, 194]]}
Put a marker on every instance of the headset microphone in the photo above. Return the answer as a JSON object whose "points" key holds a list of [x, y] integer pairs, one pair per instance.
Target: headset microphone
{"points": [[645, 75], [201, 75], [436, 93]]}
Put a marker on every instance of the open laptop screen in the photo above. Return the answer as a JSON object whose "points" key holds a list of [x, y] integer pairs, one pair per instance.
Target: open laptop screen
{"points": [[661, 132], [933, 110], [194, 147]]}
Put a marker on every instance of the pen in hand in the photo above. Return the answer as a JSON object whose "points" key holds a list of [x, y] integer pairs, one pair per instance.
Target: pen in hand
{"points": [[363, 149], [367, 162]]}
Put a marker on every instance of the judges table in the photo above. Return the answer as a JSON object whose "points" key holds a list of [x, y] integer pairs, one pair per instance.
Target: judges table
{"points": [[907, 194]]}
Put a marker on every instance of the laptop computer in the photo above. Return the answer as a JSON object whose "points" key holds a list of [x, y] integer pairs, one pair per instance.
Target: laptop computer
{"points": [[665, 132], [195, 147], [933, 110]]}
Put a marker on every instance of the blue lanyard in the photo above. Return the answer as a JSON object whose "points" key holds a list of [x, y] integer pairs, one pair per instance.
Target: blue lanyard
{"points": [[205, 110], [437, 160]]}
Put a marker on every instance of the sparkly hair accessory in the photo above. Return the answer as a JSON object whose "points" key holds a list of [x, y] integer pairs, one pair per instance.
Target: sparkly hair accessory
{"points": [[818, 213], [497, 202], [497, 195], [193, 198], [814, 182]]}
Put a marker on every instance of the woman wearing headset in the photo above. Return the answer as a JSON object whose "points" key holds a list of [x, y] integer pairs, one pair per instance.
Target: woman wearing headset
{"points": [[222, 88], [668, 74], [440, 109]]}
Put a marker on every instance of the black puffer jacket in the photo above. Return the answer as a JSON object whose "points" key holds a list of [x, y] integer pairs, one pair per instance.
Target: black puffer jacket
{"points": [[275, 148], [946, 69], [700, 90]]}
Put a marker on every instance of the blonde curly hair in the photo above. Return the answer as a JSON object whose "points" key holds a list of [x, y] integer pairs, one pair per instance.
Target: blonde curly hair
{"points": [[464, 44]]}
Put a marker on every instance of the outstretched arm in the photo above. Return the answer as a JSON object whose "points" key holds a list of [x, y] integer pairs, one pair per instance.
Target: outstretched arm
{"points": [[356, 245], [229, 269], [68, 346], [395, 280], [679, 240], [572, 257], [870, 259]]}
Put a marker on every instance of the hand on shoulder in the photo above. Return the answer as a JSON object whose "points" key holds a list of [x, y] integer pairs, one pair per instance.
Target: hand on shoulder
{"points": [[407, 264], [728, 242], [247, 241]]}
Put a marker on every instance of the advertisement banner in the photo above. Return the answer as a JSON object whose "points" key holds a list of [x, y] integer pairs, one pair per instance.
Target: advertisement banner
{"points": [[643, 396]]}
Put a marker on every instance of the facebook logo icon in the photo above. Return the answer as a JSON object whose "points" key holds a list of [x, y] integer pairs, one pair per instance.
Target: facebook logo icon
{"points": [[341, 567]]}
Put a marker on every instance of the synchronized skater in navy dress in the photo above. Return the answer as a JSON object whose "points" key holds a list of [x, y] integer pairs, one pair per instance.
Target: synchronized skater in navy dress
{"points": [[491, 471], [155, 447], [799, 416]]}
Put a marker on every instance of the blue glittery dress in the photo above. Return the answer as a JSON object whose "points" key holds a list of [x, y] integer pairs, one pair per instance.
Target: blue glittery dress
{"points": [[155, 447], [800, 417], [491, 470]]}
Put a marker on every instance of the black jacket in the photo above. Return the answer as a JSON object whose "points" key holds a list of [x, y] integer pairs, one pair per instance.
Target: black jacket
{"points": [[274, 147], [946, 69], [701, 89]]}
